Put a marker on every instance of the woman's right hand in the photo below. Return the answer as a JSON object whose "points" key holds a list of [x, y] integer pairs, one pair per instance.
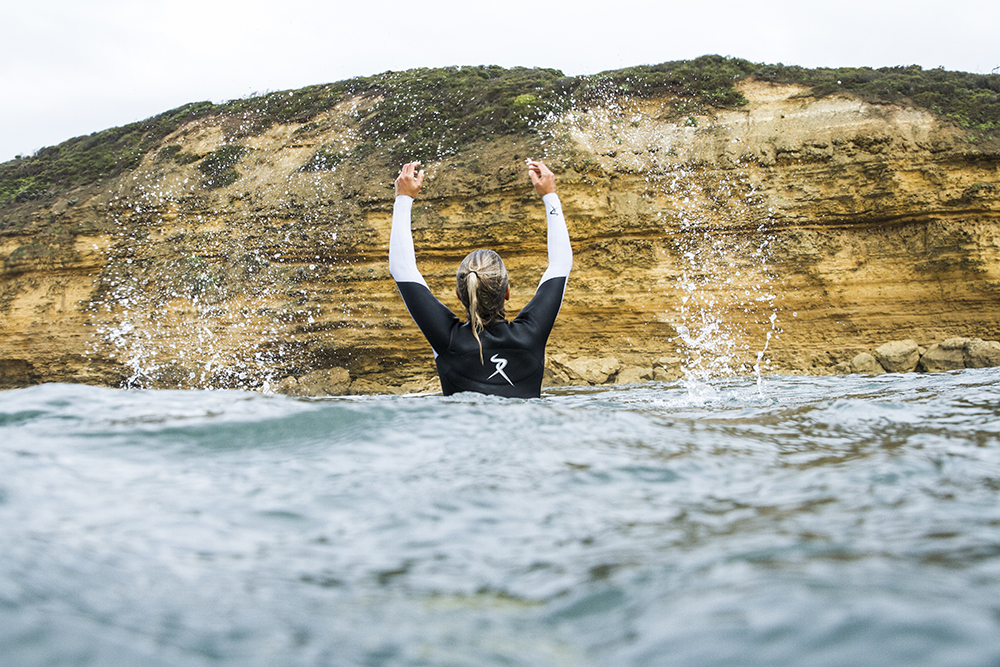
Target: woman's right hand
{"points": [[409, 180], [541, 177]]}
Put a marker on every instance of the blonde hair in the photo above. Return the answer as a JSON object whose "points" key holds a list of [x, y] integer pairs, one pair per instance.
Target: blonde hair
{"points": [[482, 285]]}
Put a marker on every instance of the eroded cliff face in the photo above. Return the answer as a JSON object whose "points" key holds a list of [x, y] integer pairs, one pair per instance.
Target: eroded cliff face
{"points": [[792, 234]]}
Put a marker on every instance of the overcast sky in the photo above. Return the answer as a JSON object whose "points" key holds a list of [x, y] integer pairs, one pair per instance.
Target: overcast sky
{"points": [[72, 67]]}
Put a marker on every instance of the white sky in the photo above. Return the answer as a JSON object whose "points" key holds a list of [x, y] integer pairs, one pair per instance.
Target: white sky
{"points": [[72, 67]]}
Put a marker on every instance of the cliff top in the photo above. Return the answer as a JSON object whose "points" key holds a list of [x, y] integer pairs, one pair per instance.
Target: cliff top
{"points": [[434, 113]]}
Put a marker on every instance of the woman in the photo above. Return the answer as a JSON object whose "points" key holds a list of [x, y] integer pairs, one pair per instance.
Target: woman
{"points": [[486, 354]]}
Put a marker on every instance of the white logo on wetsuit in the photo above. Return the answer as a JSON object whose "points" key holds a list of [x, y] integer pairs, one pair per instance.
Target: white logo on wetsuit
{"points": [[501, 364]]}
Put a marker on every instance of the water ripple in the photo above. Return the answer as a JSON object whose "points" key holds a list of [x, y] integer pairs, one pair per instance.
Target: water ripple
{"points": [[811, 520]]}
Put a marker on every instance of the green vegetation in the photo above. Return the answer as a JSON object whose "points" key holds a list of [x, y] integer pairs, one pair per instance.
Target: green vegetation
{"points": [[85, 160], [168, 153], [432, 113], [971, 100], [979, 190], [704, 80], [307, 128], [218, 166], [324, 159], [173, 152]]}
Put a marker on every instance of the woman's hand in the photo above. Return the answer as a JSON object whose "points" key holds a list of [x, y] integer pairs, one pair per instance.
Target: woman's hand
{"points": [[408, 183], [541, 177]]}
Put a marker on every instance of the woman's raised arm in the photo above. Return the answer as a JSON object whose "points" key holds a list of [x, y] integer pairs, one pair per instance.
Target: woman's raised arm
{"points": [[402, 258], [557, 235]]}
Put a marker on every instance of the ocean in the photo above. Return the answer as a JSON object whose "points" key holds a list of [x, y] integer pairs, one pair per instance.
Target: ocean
{"points": [[846, 520]]}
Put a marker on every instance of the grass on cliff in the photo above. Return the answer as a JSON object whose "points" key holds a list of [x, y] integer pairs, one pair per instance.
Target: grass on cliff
{"points": [[971, 100], [433, 113], [88, 159]]}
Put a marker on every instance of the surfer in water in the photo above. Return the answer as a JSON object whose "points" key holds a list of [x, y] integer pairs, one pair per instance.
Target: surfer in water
{"points": [[485, 354]]}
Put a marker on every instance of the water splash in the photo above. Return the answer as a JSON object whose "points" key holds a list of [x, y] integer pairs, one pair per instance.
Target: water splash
{"points": [[715, 222], [727, 314], [192, 297], [184, 301], [184, 320]]}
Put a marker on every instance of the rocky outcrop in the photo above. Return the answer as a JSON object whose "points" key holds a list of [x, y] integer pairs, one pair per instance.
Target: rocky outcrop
{"points": [[905, 356], [586, 370], [982, 354], [947, 355], [900, 356], [866, 364], [327, 382], [786, 236], [338, 382]]}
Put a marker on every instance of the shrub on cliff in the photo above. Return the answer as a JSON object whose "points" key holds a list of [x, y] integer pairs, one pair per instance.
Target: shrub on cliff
{"points": [[218, 166], [88, 159], [708, 79], [971, 100]]}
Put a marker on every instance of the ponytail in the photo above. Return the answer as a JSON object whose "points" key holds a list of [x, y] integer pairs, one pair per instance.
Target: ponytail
{"points": [[475, 320], [482, 284]]}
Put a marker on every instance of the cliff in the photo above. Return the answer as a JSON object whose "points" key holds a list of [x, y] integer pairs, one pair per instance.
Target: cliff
{"points": [[788, 230]]}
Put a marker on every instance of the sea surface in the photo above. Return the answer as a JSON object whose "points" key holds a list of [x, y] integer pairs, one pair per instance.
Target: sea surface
{"points": [[802, 521]]}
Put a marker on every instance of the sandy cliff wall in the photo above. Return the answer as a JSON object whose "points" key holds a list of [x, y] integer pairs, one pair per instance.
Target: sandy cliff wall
{"points": [[796, 230]]}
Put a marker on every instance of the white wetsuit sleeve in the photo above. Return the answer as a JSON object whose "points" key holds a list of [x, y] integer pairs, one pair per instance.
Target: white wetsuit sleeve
{"points": [[560, 250], [402, 258]]}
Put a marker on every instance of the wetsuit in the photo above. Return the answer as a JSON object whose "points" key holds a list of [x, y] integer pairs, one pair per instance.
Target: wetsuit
{"points": [[514, 352]]}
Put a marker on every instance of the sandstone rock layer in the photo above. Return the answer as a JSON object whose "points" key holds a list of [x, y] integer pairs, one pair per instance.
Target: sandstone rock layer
{"points": [[787, 236]]}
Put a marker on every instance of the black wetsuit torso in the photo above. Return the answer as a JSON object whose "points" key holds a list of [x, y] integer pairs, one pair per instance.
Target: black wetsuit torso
{"points": [[513, 352]]}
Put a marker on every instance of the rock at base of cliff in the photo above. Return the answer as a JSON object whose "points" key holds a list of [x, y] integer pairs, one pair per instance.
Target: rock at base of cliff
{"points": [[430, 385], [899, 356], [363, 387], [633, 375], [866, 364], [982, 353], [668, 369], [595, 371], [945, 356], [327, 382], [958, 352], [660, 375], [555, 377], [590, 370]]}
